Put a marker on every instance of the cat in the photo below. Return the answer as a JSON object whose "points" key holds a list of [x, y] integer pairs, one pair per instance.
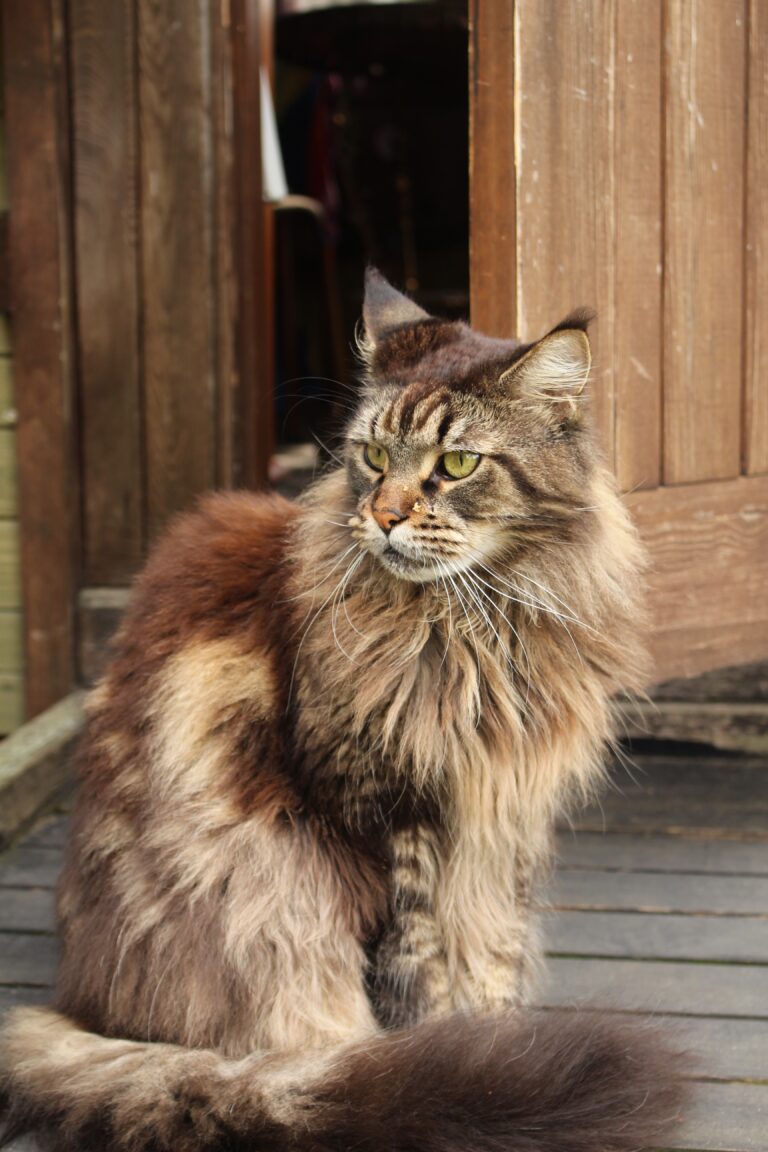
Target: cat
{"points": [[318, 783]]}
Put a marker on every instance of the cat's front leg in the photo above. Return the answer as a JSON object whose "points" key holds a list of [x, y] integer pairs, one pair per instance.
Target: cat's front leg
{"points": [[411, 979]]}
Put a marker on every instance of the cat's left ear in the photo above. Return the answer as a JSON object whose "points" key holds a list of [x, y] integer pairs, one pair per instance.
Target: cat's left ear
{"points": [[385, 309], [556, 369]]}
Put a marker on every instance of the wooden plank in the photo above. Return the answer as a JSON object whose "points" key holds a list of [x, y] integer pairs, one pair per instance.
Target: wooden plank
{"points": [[27, 959], [50, 833], [5, 336], [11, 701], [703, 232], [20, 997], [565, 78], [10, 565], [35, 764], [726, 1049], [614, 851], [756, 248], [7, 406], [640, 936], [99, 613], [736, 727], [638, 186], [9, 495], [710, 797], [37, 135], [251, 38], [725, 1118], [30, 868], [174, 95], [103, 41], [658, 987], [745, 682], [26, 910], [492, 173], [11, 641], [708, 545], [649, 892]]}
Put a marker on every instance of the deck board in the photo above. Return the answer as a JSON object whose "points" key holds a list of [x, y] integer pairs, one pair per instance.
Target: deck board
{"points": [[660, 906]]}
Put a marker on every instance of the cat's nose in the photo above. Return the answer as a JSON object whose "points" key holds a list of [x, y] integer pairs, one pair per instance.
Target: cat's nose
{"points": [[387, 518]]}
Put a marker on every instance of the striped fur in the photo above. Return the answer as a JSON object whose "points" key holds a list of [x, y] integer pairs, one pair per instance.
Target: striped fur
{"points": [[318, 783]]}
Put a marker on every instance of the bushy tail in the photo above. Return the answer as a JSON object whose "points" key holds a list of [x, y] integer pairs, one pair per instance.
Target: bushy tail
{"points": [[514, 1083]]}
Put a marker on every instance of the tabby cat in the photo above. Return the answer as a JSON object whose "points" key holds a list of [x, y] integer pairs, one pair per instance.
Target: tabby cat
{"points": [[318, 783]]}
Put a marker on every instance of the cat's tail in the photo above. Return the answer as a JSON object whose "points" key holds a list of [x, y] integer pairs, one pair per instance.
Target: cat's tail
{"points": [[514, 1083]]}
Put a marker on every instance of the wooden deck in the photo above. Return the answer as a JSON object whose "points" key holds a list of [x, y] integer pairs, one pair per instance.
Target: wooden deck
{"points": [[659, 906]]}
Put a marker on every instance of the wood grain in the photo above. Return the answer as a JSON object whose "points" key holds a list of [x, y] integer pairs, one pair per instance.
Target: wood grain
{"points": [[27, 959], [492, 170], [708, 545], [176, 227], [643, 936], [726, 1118], [103, 43], [638, 147], [30, 868], [26, 910], [659, 987], [756, 254], [632, 892], [623, 853], [565, 178], [703, 292], [35, 91]]}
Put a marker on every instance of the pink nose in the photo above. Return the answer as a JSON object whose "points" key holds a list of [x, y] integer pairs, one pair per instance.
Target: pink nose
{"points": [[386, 518]]}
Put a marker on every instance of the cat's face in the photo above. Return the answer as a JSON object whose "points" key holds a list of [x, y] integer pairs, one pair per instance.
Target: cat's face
{"points": [[464, 447]]}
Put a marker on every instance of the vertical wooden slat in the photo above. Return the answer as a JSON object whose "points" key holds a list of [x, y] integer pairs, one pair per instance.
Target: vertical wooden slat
{"points": [[493, 208], [255, 262], [638, 190], [103, 47], [565, 205], [756, 318], [176, 166], [37, 134], [703, 298]]}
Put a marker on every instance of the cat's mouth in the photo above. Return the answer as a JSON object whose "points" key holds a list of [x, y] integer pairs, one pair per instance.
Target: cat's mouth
{"points": [[404, 566]]}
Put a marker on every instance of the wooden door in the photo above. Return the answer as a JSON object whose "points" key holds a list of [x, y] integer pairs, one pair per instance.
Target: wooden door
{"points": [[619, 156]]}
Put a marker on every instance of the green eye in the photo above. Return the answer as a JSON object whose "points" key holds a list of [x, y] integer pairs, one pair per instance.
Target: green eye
{"points": [[376, 457], [457, 465]]}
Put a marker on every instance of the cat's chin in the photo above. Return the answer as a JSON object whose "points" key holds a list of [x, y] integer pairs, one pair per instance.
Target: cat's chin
{"points": [[406, 567]]}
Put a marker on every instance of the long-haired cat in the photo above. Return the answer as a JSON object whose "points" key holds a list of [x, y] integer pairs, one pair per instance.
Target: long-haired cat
{"points": [[318, 783]]}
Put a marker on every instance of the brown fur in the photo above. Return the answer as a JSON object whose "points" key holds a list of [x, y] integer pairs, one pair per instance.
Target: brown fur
{"points": [[318, 783]]}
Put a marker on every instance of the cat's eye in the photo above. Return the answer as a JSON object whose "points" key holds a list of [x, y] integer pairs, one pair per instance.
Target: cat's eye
{"points": [[376, 457], [457, 465]]}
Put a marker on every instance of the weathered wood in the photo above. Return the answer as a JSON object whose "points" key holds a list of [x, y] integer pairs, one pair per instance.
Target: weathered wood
{"points": [[667, 892], [756, 248], [255, 406], [614, 851], [174, 98], [11, 641], [726, 1118], [27, 960], [732, 726], [10, 574], [638, 147], [703, 233], [565, 78], [35, 764], [37, 132], [105, 159], [745, 682], [709, 544], [30, 868], [99, 613], [19, 997], [492, 174], [5, 272], [640, 936], [8, 487], [674, 795], [51, 833], [26, 910], [658, 987], [11, 701]]}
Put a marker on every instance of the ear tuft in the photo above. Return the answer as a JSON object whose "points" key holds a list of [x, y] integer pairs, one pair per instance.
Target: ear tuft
{"points": [[385, 309], [554, 370]]}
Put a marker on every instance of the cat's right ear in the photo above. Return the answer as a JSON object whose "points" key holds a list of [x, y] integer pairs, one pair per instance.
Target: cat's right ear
{"points": [[554, 372], [385, 309]]}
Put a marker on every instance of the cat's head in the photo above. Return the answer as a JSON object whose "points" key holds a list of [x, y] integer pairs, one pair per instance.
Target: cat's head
{"points": [[464, 447]]}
